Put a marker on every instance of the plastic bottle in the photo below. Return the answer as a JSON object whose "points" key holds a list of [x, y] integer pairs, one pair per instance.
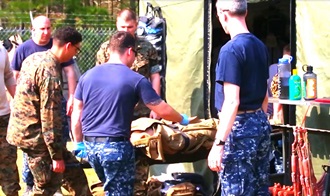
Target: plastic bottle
{"points": [[309, 83], [294, 86], [284, 73]]}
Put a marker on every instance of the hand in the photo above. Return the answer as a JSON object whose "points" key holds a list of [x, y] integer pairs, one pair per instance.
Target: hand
{"points": [[185, 119], [58, 166], [154, 115], [69, 105], [215, 158], [80, 150]]}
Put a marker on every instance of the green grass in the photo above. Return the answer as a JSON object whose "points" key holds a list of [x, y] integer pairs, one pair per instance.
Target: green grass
{"points": [[91, 176]]}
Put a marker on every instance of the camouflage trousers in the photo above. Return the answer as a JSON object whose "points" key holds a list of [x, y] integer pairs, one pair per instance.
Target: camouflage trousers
{"points": [[9, 180], [26, 173], [113, 163], [141, 175], [246, 156], [46, 182]]}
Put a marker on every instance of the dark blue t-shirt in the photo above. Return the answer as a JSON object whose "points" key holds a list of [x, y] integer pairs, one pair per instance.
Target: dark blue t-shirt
{"points": [[26, 49], [109, 93], [243, 61]]}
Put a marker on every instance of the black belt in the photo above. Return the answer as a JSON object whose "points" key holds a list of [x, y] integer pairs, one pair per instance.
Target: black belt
{"points": [[105, 139], [248, 111]]}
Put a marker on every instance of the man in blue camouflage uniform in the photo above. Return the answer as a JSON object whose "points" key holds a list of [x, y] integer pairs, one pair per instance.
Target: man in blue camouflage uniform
{"points": [[9, 180], [145, 64], [103, 111], [240, 152], [35, 122]]}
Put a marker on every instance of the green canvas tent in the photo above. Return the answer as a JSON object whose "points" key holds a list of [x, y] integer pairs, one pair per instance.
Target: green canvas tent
{"points": [[191, 35]]}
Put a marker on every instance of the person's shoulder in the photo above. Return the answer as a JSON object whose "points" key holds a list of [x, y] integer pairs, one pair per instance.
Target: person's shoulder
{"points": [[35, 56], [27, 43], [141, 42], [105, 44]]}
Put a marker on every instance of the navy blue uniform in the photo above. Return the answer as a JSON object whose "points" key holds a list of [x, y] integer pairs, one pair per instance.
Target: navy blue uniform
{"points": [[109, 93], [243, 61]]}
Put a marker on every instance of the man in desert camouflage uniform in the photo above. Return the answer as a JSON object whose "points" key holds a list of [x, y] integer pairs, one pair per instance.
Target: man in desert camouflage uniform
{"points": [[9, 180], [145, 64], [35, 122]]}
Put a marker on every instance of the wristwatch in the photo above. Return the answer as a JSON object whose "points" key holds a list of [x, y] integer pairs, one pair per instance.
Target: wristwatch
{"points": [[219, 142]]}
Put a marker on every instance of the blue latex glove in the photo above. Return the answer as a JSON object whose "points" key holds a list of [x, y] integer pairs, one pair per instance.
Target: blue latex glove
{"points": [[185, 120], [80, 150]]}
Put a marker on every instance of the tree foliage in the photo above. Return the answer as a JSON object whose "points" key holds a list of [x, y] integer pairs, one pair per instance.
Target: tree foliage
{"points": [[79, 13]]}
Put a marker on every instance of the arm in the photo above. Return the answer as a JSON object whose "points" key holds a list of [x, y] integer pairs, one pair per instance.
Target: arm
{"points": [[155, 82], [228, 111], [72, 83], [76, 120], [50, 115], [227, 118], [10, 81], [16, 74], [265, 103], [165, 111]]}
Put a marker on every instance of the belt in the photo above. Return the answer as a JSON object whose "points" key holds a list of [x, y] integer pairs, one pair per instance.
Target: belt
{"points": [[102, 139], [248, 111]]}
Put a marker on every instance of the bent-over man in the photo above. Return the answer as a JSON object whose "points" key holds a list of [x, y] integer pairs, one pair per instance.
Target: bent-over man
{"points": [[35, 122]]}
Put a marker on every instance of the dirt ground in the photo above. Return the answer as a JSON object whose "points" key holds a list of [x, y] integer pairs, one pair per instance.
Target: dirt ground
{"points": [[91, 176]]}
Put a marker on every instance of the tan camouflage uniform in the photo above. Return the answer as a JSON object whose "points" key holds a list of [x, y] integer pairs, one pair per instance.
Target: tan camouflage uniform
{"points": [[9, 180], [35, 126], [145, 64]]}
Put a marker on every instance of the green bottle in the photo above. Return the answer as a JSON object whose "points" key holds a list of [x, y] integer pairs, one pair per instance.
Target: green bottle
{"points": [[294, 86]]}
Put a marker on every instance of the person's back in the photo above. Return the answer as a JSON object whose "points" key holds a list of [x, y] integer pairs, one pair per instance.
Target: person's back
{"points": [[109, 99], [252, 53]]}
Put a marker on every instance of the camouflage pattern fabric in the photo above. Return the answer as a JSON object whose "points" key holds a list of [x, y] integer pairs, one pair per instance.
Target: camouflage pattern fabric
{"points": [[34, 121], [141, 176], [145, 64], [246, 156], [35, 125], [48, 182], [26, 173], [113, 163], [9, 180]]}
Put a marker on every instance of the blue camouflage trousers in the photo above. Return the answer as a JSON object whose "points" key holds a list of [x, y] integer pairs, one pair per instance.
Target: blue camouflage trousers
{"points": [[26, 172], [245, 160], [114, 164]]}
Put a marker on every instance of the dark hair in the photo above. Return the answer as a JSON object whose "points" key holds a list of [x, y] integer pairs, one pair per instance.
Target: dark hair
{"points": [[120, 41], [127, 14], [67, 34], [286, 49]]}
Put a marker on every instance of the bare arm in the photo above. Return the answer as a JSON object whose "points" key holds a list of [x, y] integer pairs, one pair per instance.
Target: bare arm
{"points": [[72, 83], [227, 118], [9, 78], [228, 111], [165, 111], [265, 103], [155, 81], [16, 74], [76, 120]]}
